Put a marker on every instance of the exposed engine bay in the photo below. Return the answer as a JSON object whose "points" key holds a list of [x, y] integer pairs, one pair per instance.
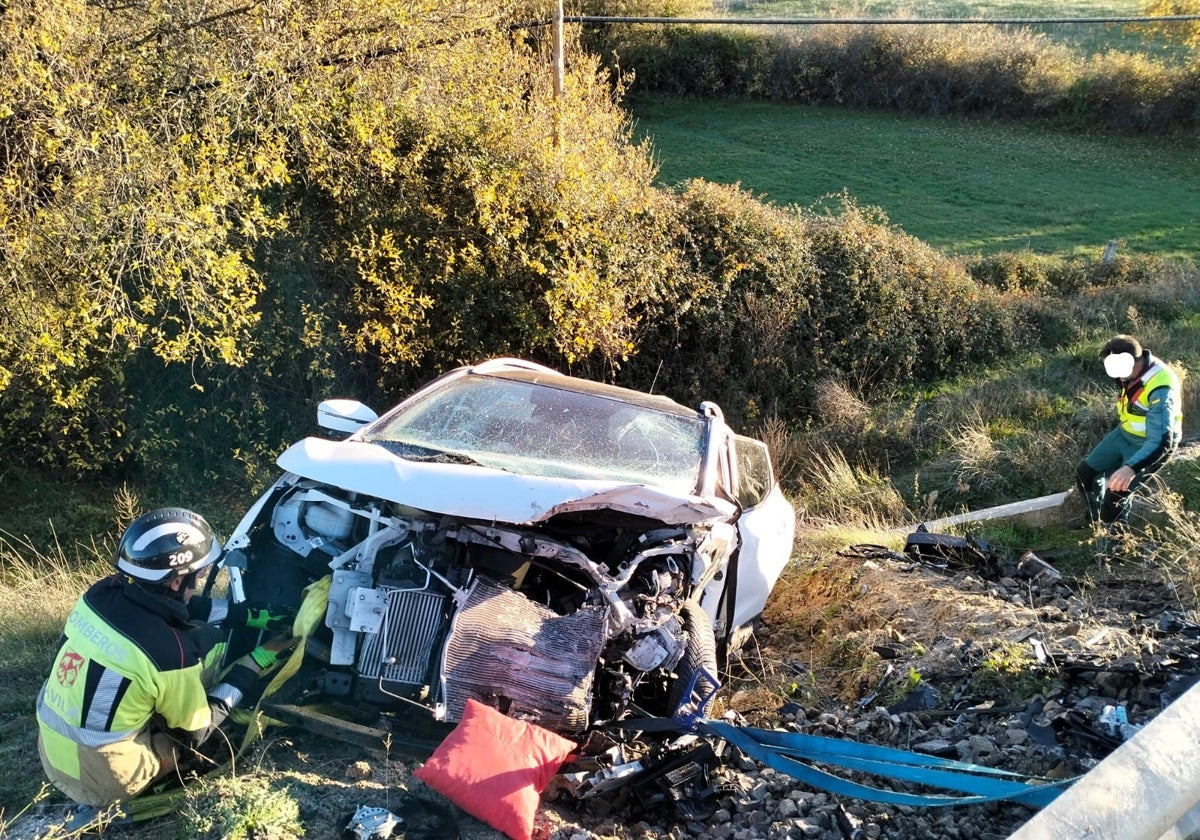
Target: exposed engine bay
{"points": [[581, 618]]}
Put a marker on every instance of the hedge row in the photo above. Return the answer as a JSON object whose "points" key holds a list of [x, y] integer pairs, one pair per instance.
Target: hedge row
{"points": [[776, 302], [186, 268], [928, 70]]}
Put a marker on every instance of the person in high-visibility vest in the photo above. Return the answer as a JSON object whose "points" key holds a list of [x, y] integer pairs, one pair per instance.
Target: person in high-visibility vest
{"points": [[131, 688], [1149, 428]]}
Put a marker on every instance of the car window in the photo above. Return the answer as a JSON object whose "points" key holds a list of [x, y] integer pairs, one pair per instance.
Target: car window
{"points": [[754, 476], [537, 429]]}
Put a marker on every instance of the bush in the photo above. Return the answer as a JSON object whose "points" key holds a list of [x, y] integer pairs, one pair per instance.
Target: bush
{"points": [[777, 300], [176, 293], [1038, 274], [735, 327], [896, 310], [1012, 73], [1012, 272], [239, 808], [1137, 94]]}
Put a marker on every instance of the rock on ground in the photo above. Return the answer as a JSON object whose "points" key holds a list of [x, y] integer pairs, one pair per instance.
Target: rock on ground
{"points": [[998, 673]]}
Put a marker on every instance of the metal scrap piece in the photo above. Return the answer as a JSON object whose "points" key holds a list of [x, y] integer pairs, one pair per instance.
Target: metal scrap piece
{"points": [[373, 822]]}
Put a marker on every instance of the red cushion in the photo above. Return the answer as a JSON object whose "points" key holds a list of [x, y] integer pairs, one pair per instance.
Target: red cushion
{"points": [[495, 768]]}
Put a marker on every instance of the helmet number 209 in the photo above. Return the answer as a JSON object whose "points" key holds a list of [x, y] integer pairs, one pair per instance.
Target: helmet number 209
{"points": [[181, 558]]}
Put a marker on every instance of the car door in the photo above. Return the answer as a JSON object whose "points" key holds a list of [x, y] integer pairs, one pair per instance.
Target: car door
{"points": [[766, 526]]}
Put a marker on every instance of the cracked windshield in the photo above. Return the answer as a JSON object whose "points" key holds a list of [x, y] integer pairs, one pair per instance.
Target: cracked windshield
{"points": [[533, 429]]}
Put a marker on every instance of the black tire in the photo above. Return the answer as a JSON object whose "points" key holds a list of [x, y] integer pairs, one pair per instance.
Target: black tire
{"points": [[699, 655]]}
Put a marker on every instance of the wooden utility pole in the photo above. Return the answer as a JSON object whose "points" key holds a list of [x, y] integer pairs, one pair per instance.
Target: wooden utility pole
{"points": [[559, 63], [559, 68]]}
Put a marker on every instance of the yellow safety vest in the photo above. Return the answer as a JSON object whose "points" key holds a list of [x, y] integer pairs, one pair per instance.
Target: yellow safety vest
{"points": [[1134, 403], [120, 662]]}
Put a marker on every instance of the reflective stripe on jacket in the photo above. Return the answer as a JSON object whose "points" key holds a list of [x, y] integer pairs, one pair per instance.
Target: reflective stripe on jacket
{"points": [[1134, 402], [125, 655]]}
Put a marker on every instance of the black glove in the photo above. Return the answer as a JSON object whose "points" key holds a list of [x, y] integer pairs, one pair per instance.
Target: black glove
{"points": [[261, 616]]}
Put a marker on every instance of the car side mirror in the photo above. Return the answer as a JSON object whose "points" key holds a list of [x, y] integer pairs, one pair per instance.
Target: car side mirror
{"points": [[344, 416]]}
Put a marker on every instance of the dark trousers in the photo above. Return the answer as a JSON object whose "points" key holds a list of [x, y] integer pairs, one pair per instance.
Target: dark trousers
{"points": [[1091, 477]]}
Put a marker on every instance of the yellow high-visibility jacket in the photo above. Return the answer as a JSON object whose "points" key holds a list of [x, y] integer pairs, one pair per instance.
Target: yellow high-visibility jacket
{"points": [[1150, 414], [126, 655]]}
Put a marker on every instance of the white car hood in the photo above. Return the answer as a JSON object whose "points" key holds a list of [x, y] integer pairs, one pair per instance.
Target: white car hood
{"points": [[476, 492]]}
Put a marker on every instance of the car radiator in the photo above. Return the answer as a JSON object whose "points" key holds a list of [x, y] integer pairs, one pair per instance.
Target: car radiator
{"points": [[400, 651], [522, 658]]}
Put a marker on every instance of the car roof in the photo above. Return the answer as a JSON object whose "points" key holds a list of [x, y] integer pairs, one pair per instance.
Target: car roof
{"points": [[553, 379]]}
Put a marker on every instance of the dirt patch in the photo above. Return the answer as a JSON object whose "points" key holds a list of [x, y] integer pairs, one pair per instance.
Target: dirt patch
{"points": [[871, 648]]}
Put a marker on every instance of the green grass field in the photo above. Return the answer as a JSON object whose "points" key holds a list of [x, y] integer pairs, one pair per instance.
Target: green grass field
{"points": [[1087, 37], [963, 185]]}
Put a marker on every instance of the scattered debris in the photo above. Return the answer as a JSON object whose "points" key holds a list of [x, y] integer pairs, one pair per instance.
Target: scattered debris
{"points": [[1115, 720], [923, 697], [953, 553], [964, 658], [373, 822], [1099, 669]]}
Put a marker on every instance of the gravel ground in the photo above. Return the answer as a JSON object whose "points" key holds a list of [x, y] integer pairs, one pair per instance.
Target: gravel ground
{"points": [[1013, 676]]}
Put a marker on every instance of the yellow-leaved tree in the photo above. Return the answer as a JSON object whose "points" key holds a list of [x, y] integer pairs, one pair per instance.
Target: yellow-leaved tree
{"points": [[128, 219], [1182, 31], [215, 212]]}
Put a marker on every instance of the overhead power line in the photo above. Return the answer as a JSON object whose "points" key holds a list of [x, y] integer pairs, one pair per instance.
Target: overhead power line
{"points": [[810, 21]]}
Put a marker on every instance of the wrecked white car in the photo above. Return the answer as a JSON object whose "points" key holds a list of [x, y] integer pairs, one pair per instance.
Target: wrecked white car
{"points": [[566, 551]]}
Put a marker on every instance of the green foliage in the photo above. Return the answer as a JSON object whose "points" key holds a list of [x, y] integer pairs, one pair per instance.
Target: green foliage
{"points": [[924, 69], [1086, 38], [1041, 274], [895, 309], [129, 224], [1136, 93], [216, 217], [1009, 429], [736, 322], [728, 61], [779, 300], [515, 235], [1010, 674], [643, 8], [239, 808]]}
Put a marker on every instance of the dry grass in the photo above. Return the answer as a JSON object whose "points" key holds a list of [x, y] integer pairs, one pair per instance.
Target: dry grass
{"points": [[787, 452], [1166, 537], [37, 591], [850, 496], [811, 615], [993, 458]]}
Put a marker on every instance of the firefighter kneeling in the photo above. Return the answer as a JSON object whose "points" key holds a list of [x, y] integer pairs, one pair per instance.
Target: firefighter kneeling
{"points": [[131, 690]]}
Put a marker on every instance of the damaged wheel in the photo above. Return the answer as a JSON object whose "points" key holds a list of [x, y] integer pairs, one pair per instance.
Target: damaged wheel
{"points": [[699, 661]]}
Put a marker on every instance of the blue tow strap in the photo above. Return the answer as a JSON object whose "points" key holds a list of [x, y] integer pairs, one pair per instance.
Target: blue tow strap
{"points": [[786, 752]]}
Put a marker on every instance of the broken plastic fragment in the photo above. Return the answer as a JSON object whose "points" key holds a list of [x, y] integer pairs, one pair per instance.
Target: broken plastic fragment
{"points": [[373, 822], [1116, 721], [1038, 570]]}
